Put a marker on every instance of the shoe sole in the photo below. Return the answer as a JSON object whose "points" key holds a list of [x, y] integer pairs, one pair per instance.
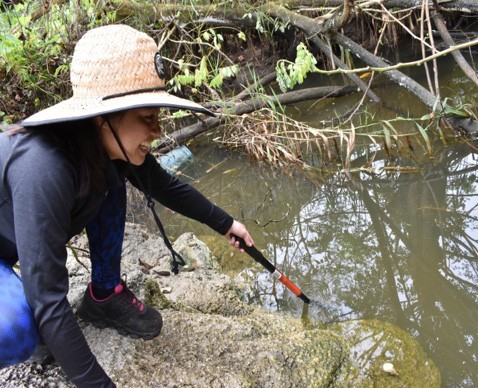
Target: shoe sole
{"points": [[102, 323]]}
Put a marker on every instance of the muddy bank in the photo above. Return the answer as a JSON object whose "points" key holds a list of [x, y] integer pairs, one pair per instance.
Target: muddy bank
{"points": [[211, 338]]}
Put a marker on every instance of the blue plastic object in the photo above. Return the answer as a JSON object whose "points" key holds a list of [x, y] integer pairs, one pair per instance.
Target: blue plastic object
{"points": [[174, 159]]}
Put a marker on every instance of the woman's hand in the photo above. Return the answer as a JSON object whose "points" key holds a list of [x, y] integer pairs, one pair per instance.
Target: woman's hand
{"points": [[239, 230]]}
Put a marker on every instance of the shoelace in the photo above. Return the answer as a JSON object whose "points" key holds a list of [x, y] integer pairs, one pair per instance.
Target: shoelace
{"points": [[129, 296], [132, 298]]}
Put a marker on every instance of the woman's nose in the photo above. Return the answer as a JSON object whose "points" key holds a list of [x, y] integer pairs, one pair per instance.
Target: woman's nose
{"points": [[156, 131]]}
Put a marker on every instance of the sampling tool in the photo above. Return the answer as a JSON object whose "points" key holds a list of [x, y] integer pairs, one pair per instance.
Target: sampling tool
{"points": [[259, 257]]}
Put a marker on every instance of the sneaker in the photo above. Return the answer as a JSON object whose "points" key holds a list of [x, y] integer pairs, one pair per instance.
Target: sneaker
{"points": [[123, 311]]}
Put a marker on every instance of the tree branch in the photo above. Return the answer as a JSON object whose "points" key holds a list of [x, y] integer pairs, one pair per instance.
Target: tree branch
{"points": [[184, 134], [448, 40]]}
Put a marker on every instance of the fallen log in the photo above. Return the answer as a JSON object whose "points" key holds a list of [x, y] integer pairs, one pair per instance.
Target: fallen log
{"points": [[466, 6], [468, 125], [457, 55], [184, 134]]}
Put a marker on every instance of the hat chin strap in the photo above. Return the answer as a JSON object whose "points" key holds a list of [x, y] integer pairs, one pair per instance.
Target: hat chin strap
{"points": [[177, 259]]}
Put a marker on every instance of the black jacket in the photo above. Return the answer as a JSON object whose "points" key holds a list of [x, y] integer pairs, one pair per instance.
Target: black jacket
{"points": [[40, 212]]}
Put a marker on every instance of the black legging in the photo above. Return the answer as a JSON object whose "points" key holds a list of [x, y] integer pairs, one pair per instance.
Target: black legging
{"points": [[105, 237]]}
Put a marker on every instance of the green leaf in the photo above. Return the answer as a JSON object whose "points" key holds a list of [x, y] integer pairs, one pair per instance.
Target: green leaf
{"points": [[229, 71], [425, 137], [216, 82], [296, 72], [185, 79], [388, 140], [24, 20], [206, 35], [457, 112], [200, 74]]}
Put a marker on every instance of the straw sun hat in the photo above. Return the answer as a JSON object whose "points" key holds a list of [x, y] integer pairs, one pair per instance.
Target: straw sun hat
{"points": [[114, 68]]}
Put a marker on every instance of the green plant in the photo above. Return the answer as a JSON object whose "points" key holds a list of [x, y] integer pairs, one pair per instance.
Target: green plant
{"points": [[35, 49], [266, 24], [290, 74], [458, 109], [214, 66], [3, 119], [76, 256]]}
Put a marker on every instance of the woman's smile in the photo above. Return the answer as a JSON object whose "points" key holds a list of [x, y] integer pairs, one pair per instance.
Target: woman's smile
{"points": [[145, 146]]}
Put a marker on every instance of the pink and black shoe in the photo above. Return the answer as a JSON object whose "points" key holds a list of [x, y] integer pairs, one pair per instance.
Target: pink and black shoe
{"points": [[122, 311]]}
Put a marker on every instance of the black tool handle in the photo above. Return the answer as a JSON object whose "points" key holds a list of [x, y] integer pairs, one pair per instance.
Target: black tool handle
{"points": [[256, 255], [259, 257]]}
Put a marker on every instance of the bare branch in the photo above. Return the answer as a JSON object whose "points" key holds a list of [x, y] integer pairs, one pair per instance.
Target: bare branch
{"points": [[448, 40]]}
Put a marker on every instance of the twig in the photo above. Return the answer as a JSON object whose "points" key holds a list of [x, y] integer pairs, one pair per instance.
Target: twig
{"points": [[396, 20], [434, 50], [448, 40], [282, 219], [422, 39], [73, 250], [419, 62]]}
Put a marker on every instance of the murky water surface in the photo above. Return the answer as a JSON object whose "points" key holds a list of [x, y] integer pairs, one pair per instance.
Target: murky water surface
{"points": [[403, 249], [399, 247]]}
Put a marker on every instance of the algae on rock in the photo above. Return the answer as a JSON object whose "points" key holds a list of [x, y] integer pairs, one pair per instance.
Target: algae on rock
{"points": [[374, 343]]}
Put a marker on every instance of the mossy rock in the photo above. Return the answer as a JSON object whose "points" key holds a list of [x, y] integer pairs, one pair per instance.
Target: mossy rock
{"points": [[372, 344], [153, 295]]}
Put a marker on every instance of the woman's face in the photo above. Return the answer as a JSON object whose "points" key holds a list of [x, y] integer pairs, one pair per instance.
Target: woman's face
{"points": [[136, 129]]}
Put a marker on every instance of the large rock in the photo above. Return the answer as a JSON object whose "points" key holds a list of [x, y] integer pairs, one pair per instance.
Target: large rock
{"points": [[211, 338]]}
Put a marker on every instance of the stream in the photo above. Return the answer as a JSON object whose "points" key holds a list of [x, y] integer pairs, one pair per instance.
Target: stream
{"points": [[397, 245]]}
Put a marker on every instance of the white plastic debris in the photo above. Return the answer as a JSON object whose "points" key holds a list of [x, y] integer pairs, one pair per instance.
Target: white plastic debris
{"points": [[389, 368]]}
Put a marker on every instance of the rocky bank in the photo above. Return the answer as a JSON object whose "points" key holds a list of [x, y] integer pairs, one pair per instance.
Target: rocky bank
{"points": [[211, 338]]}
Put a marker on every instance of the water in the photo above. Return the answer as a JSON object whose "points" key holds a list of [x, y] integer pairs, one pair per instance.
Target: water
{"points": [[401, 247]]}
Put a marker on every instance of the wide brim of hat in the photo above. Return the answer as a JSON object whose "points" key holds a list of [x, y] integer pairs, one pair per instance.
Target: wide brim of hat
{"points": [[78, 108]]}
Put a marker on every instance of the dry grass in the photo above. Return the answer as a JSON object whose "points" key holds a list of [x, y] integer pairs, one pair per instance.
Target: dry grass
{"points": [[281, 141]]}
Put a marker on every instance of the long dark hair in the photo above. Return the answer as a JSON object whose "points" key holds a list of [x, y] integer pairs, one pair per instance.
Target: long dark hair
{"points": [[81, 142]]}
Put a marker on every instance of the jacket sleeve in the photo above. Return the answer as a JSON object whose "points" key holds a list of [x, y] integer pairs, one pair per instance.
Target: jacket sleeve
{"points": [[42, 189], [179, 196]]}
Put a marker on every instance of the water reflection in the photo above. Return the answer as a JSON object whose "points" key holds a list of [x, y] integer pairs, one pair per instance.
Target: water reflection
{"points": [[399, 247], [408, 255]]}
